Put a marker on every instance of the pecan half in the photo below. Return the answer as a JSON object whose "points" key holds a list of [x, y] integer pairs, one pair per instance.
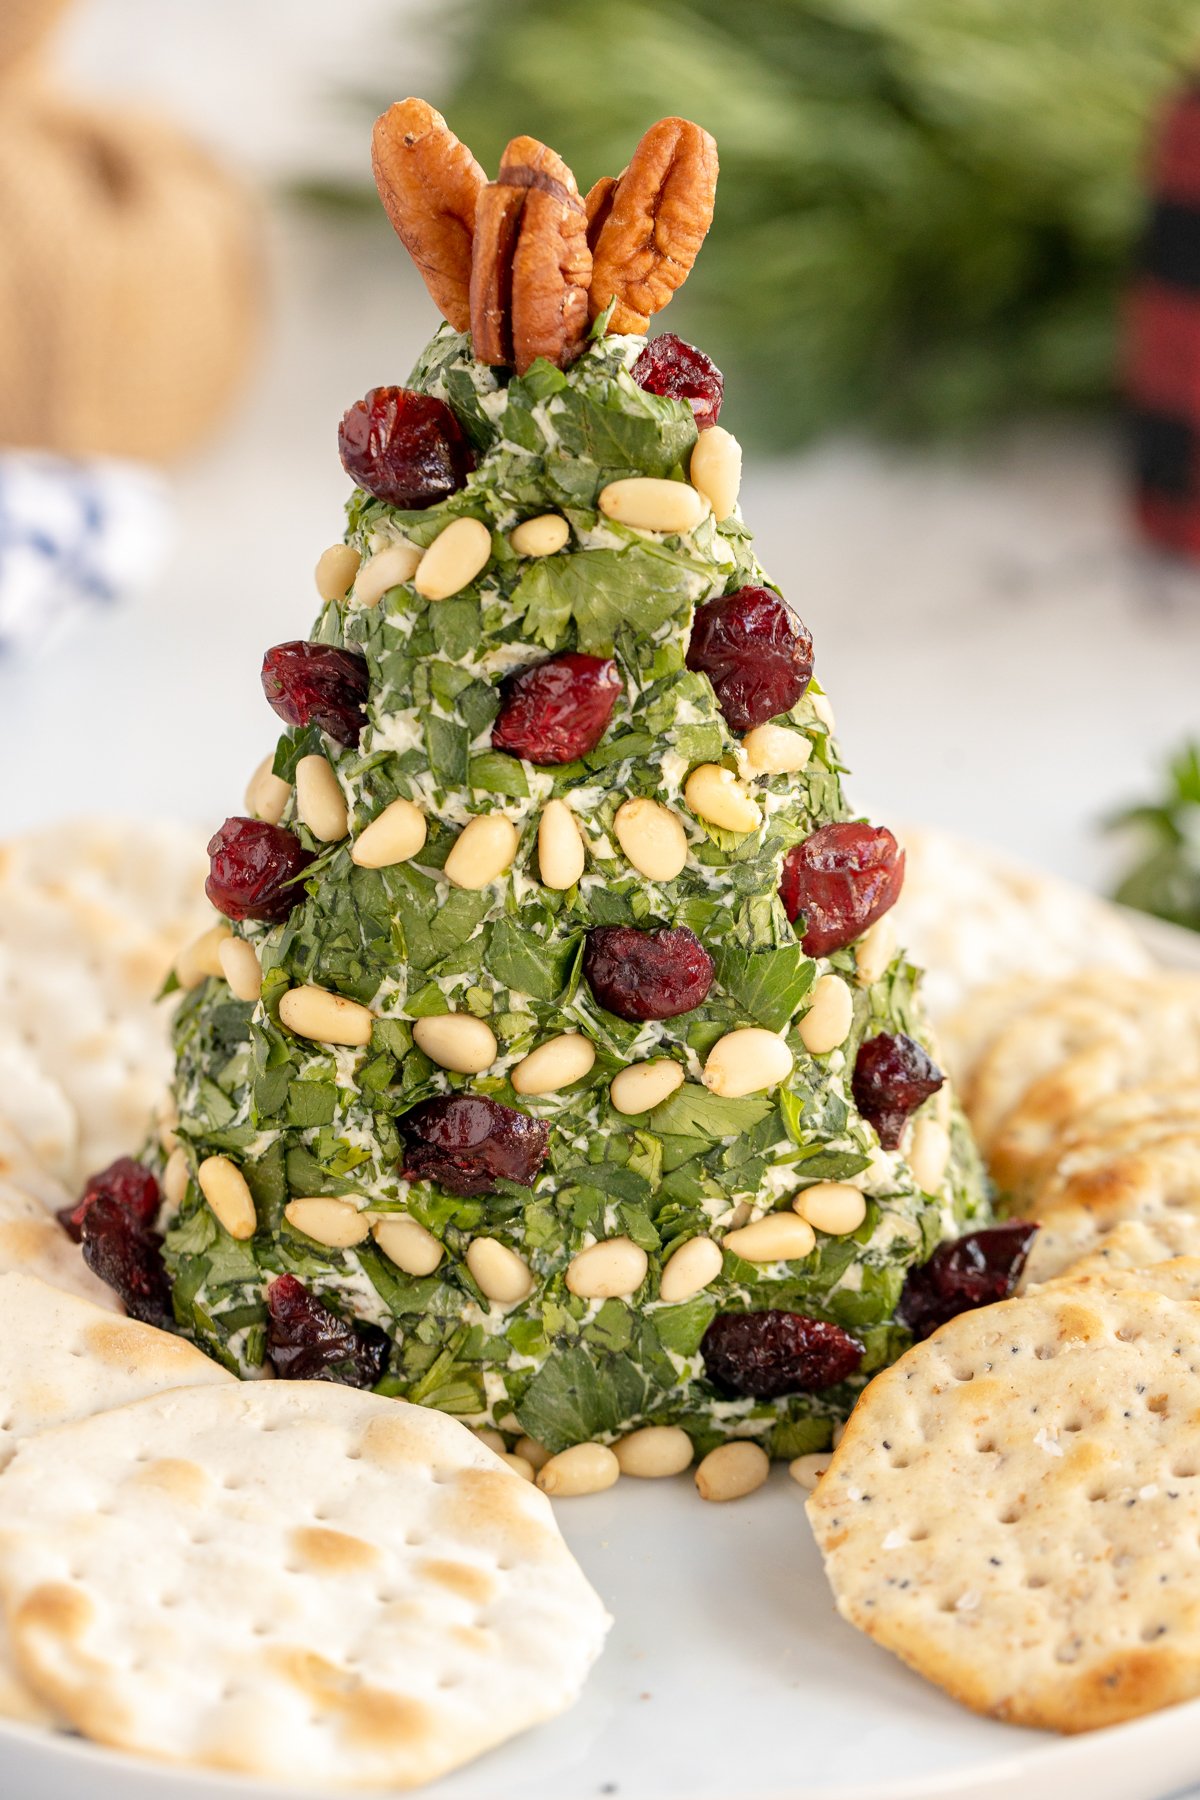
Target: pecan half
{"points": [[531, 266], [657, 221], [598, 205], [430, 185]]}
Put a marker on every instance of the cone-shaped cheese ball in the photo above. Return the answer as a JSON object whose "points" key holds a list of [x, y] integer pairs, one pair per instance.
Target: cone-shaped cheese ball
{"points": [[561, 1071]]}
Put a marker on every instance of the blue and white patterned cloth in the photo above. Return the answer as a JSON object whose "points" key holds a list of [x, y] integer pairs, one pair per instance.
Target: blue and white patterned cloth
{"points": [[76, 536]]}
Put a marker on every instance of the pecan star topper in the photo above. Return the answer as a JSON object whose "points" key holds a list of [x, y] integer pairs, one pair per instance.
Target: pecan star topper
{"points": [[523, 262]]}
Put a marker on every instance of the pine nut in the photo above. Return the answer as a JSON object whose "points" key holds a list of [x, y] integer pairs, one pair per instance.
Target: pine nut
{"points": [[714, 794], [610, 1270], [689, 1270], [643, 1086], [335, 570], [519, 1466], [335, 1223], [393, 837], [874, 951], [407, 1244], [583, 1469], [320, 803], [832, 1206], [453, 560], [228, 1194], [774, 750], [649, 504], [542, 536], [267, 794], [492, 1438], [535, 1454], [780, 1237], [747, 1061], [929, 1154], [654, 1451], [732, 1471], [652, 837], [241, 968], [389, 568], [823, 710], [167, 1118], [554, 1065], [202, 957], [456, 1041], [827, 1022], [561, 856], [313, 1012], [176, 1176], [808, 1470], [716, 469], [482, 852], [499, 1273]]}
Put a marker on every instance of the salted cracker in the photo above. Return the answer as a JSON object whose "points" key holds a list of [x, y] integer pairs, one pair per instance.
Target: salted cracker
{"points": [[1156, 1186], [1014, 1509], [62, 1359], [32, 1242], [347, 1590]]}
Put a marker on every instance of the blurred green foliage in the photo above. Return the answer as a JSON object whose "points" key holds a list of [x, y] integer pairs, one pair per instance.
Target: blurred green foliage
{"points": [[1165, 876], [925, 208]]}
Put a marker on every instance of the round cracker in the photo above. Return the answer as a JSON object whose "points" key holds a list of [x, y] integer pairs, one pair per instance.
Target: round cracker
{"points": [[91, 918], [297, 1581], [61, 1359], [1014, 1508], [32, 1242], [1156, 1186], [965, 915], [1035, 1044], [1160, 1038]]}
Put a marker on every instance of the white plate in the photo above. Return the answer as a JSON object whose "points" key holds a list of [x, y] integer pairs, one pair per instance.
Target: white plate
{"points": [[728, 1676]]}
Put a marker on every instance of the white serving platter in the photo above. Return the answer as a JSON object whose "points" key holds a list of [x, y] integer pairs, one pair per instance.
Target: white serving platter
{"points": [[728, 1676]]}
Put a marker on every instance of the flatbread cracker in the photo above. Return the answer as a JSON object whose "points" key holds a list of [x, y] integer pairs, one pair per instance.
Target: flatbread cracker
{"points": [[62, 1359], [34, 1243], [347, 1591], [1014, 1509]]}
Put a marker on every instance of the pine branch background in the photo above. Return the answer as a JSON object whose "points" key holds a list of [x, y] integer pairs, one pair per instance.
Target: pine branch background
{"points": [[926, 209]]}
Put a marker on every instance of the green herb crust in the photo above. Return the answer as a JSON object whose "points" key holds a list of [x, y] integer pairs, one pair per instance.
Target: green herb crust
{"points": [[303, 1119]]}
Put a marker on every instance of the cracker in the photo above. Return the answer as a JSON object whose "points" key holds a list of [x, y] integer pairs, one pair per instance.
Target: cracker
{"points": [[20, 1167], [1156, 1186], [1135, 1253], [293, 1580], [34, 1243], [1014, 1509], [91, 918], [1159, 1039], [973, 918], [61, 1359], [1035, 1044]]}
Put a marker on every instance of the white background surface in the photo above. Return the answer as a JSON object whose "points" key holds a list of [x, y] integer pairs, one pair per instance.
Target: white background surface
{"points": [[1002, 660]]}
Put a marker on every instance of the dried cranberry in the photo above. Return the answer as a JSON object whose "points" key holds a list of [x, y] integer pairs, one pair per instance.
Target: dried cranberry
{"points": [[755, 651], [558, 710], [253, 870], [842, 879], [672, 367], [129, 1184], [767, 1354], [642, 975], [892, 1077], [317, 684], [405, 448], [128, 1258], [975, 1270], [467, 1143], [307, 1342]]}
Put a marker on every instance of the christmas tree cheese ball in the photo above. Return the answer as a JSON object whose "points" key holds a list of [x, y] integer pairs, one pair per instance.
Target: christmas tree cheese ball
{"points": [[556, 1067]]}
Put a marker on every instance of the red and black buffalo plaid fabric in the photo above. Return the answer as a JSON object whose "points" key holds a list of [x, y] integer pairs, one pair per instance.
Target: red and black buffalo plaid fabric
{"points": [[1163, 364]]}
